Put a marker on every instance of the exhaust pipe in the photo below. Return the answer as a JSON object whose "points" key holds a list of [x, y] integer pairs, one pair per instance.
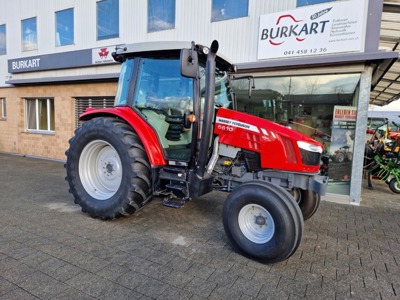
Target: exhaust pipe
{"points": [[208, 110]]}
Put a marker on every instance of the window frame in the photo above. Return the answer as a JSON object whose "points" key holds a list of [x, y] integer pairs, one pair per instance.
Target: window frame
{"points": [[3, 109], [113, 35], [35, 36], [60, 44], [214, 17], [163, 18], [315, 2], [50, 113], [3, 44]]}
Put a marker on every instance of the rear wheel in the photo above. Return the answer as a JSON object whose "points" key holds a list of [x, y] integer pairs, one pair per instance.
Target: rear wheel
{"points": [[308, 202], [262, 221], [107, 169], [394, 186], [339, 157]]}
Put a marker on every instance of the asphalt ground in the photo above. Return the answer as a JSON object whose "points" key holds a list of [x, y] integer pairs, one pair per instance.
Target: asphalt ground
{"points": [[49, 249]]}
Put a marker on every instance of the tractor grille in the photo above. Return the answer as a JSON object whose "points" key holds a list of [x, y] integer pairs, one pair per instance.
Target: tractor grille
{"points": [[310, 158]]}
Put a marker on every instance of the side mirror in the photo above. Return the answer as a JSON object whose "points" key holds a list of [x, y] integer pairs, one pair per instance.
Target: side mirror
{"points": [[251, 85], [189, 62]]}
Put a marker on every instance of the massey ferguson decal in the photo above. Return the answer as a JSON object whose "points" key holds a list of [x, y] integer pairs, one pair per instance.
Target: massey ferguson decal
{"points": [[228, 124], [102, 55], [312, 30]]}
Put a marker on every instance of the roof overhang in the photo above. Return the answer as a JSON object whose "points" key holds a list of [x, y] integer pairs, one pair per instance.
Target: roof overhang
{"points": [[387, 88], [64, 79]]}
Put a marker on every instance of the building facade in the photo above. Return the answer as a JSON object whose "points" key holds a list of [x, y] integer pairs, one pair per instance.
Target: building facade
{"points": [[312, 61]]}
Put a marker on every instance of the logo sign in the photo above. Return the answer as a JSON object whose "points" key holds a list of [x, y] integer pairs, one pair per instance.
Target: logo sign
{"points": [[313, 30], [102, 55]]}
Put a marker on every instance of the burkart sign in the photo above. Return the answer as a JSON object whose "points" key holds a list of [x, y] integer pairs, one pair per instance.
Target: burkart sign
{"points": [[334, 27], [62, 60]]}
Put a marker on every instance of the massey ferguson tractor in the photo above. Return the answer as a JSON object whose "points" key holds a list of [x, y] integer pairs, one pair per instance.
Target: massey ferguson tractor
{"points": [[174, 133]]}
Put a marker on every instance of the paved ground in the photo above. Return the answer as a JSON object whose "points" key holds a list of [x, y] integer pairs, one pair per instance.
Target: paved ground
{"points": [[49, 249]]}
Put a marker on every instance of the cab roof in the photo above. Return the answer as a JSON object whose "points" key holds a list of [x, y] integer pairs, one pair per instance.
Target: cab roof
{"points": [[166, 48]]}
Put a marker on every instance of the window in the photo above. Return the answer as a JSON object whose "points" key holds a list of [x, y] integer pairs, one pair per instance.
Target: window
{"points": [[65, 27], [320, 106], [311, 2], [29, 34], [107, 19], [81, 104], [3, 45], [3, 114], [229, 9], [161, 15], [39, 114]]}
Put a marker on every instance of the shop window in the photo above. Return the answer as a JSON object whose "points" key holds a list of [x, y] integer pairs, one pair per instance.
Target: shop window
{"points": [[81, 104], [107, 19], [229, 9], [65, 27], [3, 114], [311, 2], [39, 115], [29, 34], [322, 107], [3, 44], [161, 15]]}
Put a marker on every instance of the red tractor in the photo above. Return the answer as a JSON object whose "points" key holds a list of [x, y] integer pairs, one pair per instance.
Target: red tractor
{"points": [[172, 133]]}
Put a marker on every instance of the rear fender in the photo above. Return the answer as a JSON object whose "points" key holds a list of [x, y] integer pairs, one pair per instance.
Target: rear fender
{"points": [[144, 130]]}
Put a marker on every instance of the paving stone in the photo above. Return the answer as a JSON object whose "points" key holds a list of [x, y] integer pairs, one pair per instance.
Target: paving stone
{"points": [[132, 279], [226, 293], [200, 287], [112, 271], [63, 272], [347, 252], [152, 288], [6, 286], [42, 285], [245, 287], [172, 293], [71, 293], [18, 294]]}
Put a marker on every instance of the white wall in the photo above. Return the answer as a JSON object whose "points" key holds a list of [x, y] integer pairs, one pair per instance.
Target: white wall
{"points": [[237, 37]]}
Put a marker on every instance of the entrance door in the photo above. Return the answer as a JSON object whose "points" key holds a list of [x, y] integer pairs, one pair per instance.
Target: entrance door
{"points": [[163, 96]]}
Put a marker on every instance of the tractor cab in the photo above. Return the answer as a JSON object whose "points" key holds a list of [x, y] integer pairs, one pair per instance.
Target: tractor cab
{"points": [[168, 92]]}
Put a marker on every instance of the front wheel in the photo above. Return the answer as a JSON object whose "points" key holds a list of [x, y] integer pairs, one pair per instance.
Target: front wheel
{"points": [[262, 221], [339, 157], [107, 169], [394, 186]]}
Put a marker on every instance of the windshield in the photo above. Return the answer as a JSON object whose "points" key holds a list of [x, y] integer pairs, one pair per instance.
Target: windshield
{"points": [[160, 85]]}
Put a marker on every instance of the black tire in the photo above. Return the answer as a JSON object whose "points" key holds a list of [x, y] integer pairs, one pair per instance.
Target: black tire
{"points": [[349, 156], [339, 157], [308, 203], [283, 230], [108, 170], [394, 186]]}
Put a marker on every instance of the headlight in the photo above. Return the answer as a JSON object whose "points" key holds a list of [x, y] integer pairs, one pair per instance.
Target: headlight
{"points": [[309, 147]]}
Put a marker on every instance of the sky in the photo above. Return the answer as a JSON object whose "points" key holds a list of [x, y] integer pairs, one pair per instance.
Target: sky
{"points": [[393, 106]]}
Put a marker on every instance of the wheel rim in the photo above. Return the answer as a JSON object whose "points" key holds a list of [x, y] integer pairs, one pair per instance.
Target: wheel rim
{"points": [[396, 185], [296, 195], [100, 169], [256, 223]]}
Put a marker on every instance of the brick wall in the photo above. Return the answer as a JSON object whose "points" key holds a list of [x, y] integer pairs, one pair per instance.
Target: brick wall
{"points": [[13, 135]]}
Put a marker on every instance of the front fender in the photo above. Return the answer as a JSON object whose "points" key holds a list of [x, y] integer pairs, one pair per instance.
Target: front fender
{"points": [[144, 130]]}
